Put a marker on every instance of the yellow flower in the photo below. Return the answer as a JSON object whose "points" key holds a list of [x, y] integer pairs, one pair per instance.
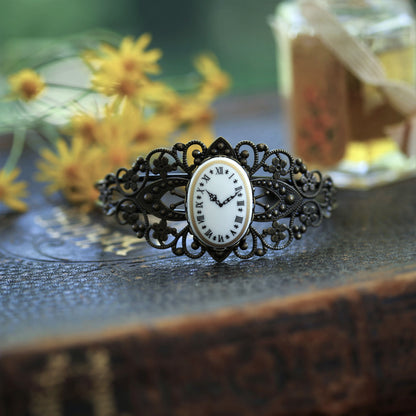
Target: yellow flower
{"points": [[131, 56], [117, 140], [202, 132], [113, 81], [26, 84], [11, 192], [154, 131], [122, 73], [147, 133], [195, 112], [85, 126], [83, 191], [193, 115], [197, 119], [63, 168], [215, 80], [188, 109], [73, 169]]}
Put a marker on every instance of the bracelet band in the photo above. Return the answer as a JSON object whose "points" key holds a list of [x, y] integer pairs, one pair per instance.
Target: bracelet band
{"points": [[219, 199]]}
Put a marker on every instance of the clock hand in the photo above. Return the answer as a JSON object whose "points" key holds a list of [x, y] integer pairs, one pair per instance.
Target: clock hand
{"points": [[213, 198], [230, 198]]}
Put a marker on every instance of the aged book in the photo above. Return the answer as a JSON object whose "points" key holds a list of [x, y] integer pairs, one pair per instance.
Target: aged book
{"points": [[95, 322]]}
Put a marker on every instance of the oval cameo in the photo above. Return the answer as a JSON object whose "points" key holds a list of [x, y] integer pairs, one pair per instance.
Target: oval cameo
{"points": [[219, 202]]}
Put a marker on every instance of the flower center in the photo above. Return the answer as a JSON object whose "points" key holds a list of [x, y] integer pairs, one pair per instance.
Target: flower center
{"points": [[206, 116], [142, 136], [29, 88], [87, 130], [71, 173], [127, 87], [129, 64], [119, 157]]}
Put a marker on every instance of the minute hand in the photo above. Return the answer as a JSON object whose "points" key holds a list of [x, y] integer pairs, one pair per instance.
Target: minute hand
{"points": [[226, 201]]}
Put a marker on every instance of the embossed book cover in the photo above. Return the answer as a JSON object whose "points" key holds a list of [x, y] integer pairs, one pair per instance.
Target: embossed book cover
{"points": [[94, 321]]}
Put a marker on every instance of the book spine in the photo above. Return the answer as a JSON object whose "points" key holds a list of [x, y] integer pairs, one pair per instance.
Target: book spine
{"points": [[335, 352]]}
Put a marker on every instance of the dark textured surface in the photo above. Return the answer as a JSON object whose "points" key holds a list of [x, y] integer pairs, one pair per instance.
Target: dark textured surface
{"points": [[54, 280]]}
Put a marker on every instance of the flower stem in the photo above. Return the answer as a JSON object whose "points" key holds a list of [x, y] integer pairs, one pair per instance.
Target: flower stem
{"points": [[17, 148], [48, 132], [53, 61]]}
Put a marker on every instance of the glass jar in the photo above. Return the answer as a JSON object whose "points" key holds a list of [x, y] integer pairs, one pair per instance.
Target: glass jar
{"points": [[339, 123]]}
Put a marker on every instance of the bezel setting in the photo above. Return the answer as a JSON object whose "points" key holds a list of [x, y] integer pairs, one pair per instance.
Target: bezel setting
{"points": [[152, 198]]}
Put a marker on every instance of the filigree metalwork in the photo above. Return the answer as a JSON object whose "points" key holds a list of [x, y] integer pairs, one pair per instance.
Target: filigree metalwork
{"points": [[150, 197]]}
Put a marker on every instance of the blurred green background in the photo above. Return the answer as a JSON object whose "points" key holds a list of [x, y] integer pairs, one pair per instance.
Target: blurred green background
{"points": [[235, 30]]}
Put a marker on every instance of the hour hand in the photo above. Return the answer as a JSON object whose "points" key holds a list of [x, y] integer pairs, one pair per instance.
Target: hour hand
{"points": [[213, 198]]}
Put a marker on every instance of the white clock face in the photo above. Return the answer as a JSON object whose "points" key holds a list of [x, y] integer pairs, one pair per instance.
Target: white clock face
{"points": [[219, 202]]}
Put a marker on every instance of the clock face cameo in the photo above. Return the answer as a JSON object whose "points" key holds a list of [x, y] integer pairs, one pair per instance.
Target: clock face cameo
{"points": [[219, 202]]}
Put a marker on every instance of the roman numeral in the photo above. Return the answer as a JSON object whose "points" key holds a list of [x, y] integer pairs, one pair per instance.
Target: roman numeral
{"points": [[233, 232], [200, 218], [231, 176], [200, 190], [240, 203], [239, 219], [199, 204], [205, 177], [238, 188], [220, 238], [219, 170], [209, 233]]}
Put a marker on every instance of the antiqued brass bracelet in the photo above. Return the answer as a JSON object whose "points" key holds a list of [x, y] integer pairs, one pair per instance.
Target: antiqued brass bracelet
{"points": [[244, 200]]}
